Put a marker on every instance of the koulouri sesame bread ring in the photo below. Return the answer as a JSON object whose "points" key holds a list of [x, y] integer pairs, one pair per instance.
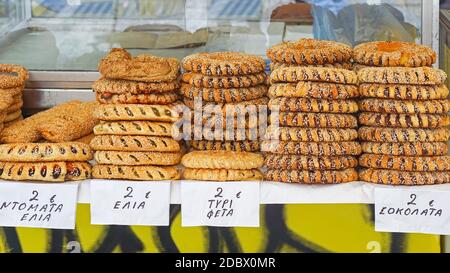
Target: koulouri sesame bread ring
{"points": [[317, 90], [310, 51], [13, 92], [405, 148], [115, 112], [140, 128], [275, 65], [119, 64], [404, 120], [228, 134], [221, 175], [405, 106], [13, 116], [312, 148], [45, 171], [394, 53], [134, 143], [404, 91], [15, 107], [320, 120], [137, 158], [128, 98], [313, 105], [238, 146], [229, 160], [310, 134], [41, 152], [406, 163], [104, 85], [12, 76], [384, 134], [310, 163], [312, 177], [223, 95], [314, 74], [224, 63], [392, 177], [143, 173], [402, 75], [200, 80]]}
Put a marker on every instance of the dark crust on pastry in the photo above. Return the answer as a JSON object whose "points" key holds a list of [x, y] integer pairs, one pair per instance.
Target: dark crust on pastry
{"points": [[392, 177], [317, 90], [222, 95], [404, 120], [320, 120], [404, 106], [315, 74], [404, 91], [312, 148], [405, 163], [312, 177], [406, 148], [310, 163], [383, 134], [313, 105]]}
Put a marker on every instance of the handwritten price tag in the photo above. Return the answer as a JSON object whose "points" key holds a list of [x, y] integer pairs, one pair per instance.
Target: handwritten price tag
{"points": [[412, 210], [130, 203], [38, 205], [228, 204]]}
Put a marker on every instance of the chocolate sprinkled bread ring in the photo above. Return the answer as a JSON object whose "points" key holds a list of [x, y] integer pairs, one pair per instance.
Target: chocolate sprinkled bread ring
{"points": [[312, 148], [406, 148], [44, 152], [348, 66], [406, 163], [402, 75], [310, 163], [104, 85], [383, 134], [312, 177], [223, 95], [404, 91], [391, 177], [311, 134], [224, 63], [394, 53], [199, 80], [313, 105], [405, 106], [12, 76], [145, 173], [314, 74], [45, 171], [404, 120], [317, 90], [238, 146], [320, 120], [310, 51]]}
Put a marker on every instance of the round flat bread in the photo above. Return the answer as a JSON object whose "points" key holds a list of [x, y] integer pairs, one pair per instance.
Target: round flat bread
{"points": [[312, 148], [310, 134], [238, 146], [383, 134], [310, 163], [104, 85], [402, 75], [312, 177], [199, 80], [316, 90], [313, 105], [404, 91], [313, 74], [315, 120], [406, 148], [222, 160], [221, 175], [221, 95]]}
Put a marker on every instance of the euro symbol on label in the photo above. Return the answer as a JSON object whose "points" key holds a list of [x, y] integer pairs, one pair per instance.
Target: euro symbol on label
{"points": [[238, 195], [147, 194]]}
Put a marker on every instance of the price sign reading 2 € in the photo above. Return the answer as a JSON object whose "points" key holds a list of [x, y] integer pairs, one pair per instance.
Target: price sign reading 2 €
{"points": [[220, 204], [43, 205], [130, 203], [411, 210]]}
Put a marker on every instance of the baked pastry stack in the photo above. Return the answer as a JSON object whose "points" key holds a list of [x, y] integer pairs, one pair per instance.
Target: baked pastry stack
{"points": [[312, 137], [12, 84], [134, 139], [222, 166], [49, 162], [404, 115], [229, 88]]}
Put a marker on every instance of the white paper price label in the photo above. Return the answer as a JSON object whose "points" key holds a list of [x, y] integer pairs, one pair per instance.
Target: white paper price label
{"points": [[130, 202], [38, 205], [228, 204], [412, 210]]}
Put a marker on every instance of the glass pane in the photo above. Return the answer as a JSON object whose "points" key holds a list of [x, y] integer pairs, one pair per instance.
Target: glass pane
{"points": [[75, 34]]}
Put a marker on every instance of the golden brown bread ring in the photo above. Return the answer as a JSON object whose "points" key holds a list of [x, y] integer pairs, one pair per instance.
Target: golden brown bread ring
{"points": [[406, 163], [313, 105], [128, 98], [404, 91], [200, 80], [406, 148], [320, 120], [229, 160], [404, 120], [317, 90], [310, 134], [405, 106], [239, 146], [394, 53], [221, 175], [310, 51], [310, 163], [402, 75], [275, 65], [312, 177], [315, 74], [224, 63], [385, 134], [312, 148], [104, 85], [392, 177], [12, 76], [222, 95]]}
